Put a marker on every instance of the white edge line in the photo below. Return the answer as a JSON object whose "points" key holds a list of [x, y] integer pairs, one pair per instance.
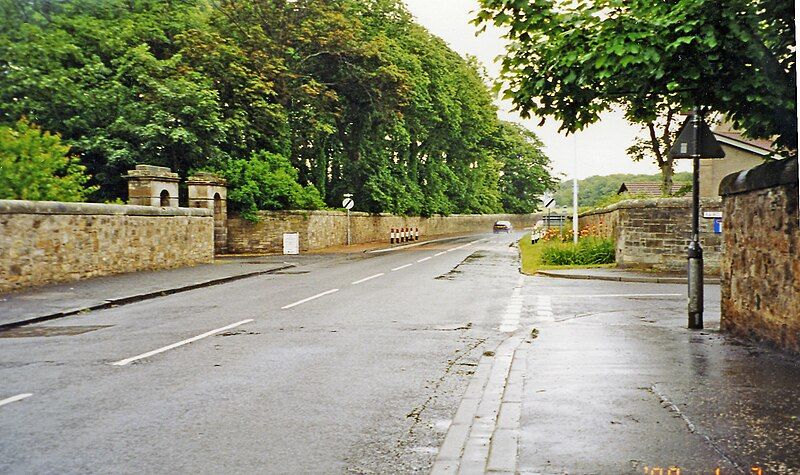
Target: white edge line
{"points": [[180, 343], [367, 278], [16, 398], [327, 292], [425, 259], [402, 267]]}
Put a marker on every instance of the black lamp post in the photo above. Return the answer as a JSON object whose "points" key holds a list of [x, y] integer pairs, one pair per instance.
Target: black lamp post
{"points": [[695, 141]]}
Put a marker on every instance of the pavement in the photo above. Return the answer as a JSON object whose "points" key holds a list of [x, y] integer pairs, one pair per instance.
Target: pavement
{"points": [[441, 358]]}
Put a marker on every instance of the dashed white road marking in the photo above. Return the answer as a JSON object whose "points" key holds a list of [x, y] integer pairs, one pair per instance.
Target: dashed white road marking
{"points": [[510, 321], [440, 254], [425, 259], [401, 267], [321, 294], [18, 397], [544, 308], [127, 361], [367, 278]]}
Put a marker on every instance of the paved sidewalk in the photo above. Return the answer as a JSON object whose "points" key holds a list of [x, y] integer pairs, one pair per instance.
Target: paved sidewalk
{"points": [[57, 300], [624, 275]]}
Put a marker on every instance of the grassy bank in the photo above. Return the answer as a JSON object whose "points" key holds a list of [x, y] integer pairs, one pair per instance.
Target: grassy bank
{"points": [[531, 256]]}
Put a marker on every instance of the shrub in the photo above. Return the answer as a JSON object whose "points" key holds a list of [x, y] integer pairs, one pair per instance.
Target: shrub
{"points": [[266, 181], [588, 251], [35, 165]]}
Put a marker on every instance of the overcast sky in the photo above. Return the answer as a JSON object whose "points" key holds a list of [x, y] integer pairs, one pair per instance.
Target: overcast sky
{"points": [[600, 148]]}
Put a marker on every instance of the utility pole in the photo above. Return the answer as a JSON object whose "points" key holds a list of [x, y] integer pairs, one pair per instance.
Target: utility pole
{"points": [[575, 191]]}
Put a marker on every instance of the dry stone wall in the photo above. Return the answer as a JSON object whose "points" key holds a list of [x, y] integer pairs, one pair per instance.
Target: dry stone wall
{"points": [[654, 233], [320, 229], [44, 242], [761, 266]]}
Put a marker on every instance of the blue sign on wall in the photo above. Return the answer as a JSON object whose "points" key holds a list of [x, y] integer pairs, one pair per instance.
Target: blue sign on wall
{"points": [[717, 225]]}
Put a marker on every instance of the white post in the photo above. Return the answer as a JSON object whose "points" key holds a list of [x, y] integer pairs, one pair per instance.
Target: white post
{"points": [[575, 192], [348, 227]]}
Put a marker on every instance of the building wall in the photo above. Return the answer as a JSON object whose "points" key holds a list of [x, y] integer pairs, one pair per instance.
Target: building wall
{"points": [[320, 229], [654, 233], [44, 242], [761, 263], [712, 171]]}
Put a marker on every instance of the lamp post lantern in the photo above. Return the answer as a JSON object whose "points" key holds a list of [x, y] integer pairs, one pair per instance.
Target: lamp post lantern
{"points": [[695, 141]]}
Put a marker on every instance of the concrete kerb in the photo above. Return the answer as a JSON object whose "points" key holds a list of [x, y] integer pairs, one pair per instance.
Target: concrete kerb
{"points": [[116, 302], [635, 279]]}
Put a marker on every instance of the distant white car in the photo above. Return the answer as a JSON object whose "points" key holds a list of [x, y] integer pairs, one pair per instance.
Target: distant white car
{"points": [[502, 226]]}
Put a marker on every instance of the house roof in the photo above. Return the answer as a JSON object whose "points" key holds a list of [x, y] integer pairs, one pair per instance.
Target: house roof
{"points": [[736, 139], [650, 188]]}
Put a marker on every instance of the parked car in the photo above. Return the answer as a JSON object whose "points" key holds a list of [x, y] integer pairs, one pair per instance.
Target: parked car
{"points": [[502, 226]]}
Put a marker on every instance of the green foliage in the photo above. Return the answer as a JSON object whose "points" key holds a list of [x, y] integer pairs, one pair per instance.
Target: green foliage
{"points": [[525, 176], [594, 190], [357, 96], [588, 251], [35, 165], [573, 60], [266, 181]]}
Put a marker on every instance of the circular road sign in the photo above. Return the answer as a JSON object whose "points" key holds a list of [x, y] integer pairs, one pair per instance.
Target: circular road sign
{"points": [[348, 203]]}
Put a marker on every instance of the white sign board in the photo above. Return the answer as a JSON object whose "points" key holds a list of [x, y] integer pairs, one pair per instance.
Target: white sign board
{"points": [[548, 201], [291, 243], [348, 203], [712, 214]]}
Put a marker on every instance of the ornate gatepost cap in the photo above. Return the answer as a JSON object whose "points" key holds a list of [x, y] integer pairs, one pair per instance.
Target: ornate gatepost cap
{"points": [[152, 172]]}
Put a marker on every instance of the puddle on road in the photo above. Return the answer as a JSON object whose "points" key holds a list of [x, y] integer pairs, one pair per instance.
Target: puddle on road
{"points": [[36, 332]]}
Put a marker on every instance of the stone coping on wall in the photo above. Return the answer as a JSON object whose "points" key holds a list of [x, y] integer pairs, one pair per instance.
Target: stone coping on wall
{"points": [[59, 208], [768, 175], [652, 203], [368, 215]]}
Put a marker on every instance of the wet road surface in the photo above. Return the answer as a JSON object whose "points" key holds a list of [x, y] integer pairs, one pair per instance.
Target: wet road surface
{"points": [[359, 364]]}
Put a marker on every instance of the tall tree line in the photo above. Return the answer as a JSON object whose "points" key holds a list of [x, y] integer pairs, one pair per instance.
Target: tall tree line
{"points": [[313, 98]]}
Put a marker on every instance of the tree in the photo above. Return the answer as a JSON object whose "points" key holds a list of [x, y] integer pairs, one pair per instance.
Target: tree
{"points": [[356, 96], [266, 181], [573, 60], [525, 176], [35, 165]]}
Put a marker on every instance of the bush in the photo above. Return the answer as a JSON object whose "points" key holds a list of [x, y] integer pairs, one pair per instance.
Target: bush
{"points": [[588, 251], [35, 165], [266, 181]]}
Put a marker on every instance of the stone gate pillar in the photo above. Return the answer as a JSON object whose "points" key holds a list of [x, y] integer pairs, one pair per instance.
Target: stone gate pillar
{"points": [[209, 191], [149, 185]]}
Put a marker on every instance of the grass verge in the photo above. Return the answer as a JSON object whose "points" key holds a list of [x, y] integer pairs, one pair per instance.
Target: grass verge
{"points": [[531, 258]]}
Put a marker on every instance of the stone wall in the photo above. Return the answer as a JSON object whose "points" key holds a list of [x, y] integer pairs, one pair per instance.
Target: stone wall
{"points": [[43, 242], [654, 233], [320, 229], [761, 264]]}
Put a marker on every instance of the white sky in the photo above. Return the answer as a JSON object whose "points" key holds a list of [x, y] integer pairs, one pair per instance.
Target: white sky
{"points": [[600, 148]]}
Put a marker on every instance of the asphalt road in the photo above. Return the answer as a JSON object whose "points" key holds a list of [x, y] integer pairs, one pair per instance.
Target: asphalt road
{"points": [[363, 378], [359, 364]]}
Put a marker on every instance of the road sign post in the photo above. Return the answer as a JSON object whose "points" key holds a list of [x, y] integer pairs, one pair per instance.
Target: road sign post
{"points": [[348, 203], [695, 141]]}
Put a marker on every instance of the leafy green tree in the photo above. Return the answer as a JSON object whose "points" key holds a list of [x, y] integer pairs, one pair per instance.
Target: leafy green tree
{"points": [[525, 176], [266, 181], [573, 60], [35, 165], [356, 96]]}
